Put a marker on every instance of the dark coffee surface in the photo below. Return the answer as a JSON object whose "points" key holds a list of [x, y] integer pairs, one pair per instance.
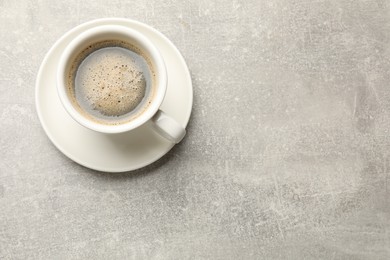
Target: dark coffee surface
{"points": [[111, 82]]}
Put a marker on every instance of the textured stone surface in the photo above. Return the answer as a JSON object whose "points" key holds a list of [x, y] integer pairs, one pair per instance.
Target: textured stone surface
{"points": [[287, 154]]}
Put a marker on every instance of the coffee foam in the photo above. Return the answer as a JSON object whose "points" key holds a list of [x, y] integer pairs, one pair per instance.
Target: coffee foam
{"points": [[112, 84]]}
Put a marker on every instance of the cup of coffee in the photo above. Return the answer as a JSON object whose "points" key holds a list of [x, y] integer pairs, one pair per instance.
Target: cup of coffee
{"points": [[112, 79]]}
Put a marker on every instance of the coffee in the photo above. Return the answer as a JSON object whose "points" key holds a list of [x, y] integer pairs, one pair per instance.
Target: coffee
{"points": [[111, 82]]}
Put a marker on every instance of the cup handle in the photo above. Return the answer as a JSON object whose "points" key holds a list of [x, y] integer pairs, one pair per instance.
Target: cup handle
{"points": [[168, 127]]}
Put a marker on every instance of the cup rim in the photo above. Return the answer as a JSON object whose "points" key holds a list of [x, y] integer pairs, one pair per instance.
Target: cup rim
{"points": [[137, 39]]}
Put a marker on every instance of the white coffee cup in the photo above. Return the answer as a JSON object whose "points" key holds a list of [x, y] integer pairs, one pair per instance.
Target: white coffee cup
{"points": [[165, 125]]}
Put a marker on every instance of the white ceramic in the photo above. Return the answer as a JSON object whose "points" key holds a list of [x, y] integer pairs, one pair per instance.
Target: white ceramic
{"points": [[168, 127], [112, 152]]}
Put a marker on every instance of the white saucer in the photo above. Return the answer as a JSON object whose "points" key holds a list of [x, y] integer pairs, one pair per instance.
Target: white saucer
{"points": [[119, 152]]}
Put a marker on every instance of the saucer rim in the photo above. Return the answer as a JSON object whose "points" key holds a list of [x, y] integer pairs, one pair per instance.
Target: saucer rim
{"points": [[89, 25]]}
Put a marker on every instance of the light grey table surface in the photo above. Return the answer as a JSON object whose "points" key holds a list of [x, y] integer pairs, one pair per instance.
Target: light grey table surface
{"points": [[287, 154]]}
